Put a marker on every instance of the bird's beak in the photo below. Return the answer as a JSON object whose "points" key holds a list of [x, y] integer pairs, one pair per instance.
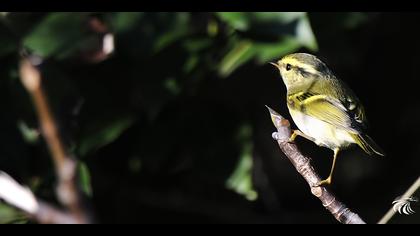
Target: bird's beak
{"points": [[275, 64]]}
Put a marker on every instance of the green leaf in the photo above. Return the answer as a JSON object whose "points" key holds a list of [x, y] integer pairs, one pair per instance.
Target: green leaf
{"points": [[241, 179], [84, 178], [282, 17], [279, 24], [56, 33], [104, 134], [244, 21], [269, 35], [190, 63], [172, 86], [125, 21], [237, 20], [10, 215], [197, 44], [176, 27], [238, 55], [212, 28], [30, 135], [262, 51], [269, 51]]}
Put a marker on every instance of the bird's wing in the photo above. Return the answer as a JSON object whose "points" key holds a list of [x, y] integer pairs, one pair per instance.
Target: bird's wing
{"points": [[328, 109]]}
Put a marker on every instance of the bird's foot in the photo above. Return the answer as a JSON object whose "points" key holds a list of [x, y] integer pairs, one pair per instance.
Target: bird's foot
{"points": [[293, 136], [296, 133], [324, 182]]}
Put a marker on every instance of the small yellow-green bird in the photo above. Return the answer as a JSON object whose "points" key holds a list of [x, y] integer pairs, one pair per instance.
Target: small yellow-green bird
{"points": [[323, 107]]}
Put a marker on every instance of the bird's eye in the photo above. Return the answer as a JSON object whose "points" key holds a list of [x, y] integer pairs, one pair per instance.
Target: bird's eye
{"points": [[288, 67]]}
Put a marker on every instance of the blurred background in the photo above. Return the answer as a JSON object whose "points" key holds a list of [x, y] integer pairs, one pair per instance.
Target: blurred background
{"points": [[165, 112]]}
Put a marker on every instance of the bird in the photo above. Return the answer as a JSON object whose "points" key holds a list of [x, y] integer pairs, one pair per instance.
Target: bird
{"points": [[323, 107]]}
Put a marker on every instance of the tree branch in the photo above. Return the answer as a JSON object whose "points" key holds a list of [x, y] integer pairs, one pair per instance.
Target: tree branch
{"points": [[304, 168], [22, 198], [409, 193], [65, 165]]}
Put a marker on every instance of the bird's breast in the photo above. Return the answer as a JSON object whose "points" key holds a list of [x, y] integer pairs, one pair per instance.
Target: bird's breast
{"points": [[324, 133]]}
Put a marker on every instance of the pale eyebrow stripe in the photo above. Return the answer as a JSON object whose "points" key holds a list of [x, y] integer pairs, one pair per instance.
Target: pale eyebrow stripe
{"points": [[297, 63]]}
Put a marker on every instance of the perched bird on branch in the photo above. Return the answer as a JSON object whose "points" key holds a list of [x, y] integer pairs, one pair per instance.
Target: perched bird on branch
{"points": [[323, 107]]}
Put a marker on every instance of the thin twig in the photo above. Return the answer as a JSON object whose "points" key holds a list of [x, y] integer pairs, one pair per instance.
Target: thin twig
{"points": [[48, 214], [65, 165], [22, 198], [413, 188], [304, 168]]}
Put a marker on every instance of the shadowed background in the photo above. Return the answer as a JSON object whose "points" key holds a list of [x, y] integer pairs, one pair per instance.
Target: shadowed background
{"points": [[165, 112]]}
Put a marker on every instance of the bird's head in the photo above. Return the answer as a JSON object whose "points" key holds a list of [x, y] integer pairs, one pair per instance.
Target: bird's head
{"points": [[301, 69]]}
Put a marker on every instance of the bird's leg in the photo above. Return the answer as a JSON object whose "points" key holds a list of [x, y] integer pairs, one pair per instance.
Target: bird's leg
{"points": [[296, 133], [328, 180]]}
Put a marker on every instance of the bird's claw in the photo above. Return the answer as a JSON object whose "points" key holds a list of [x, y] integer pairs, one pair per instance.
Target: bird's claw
{"points": [[324, 182]]}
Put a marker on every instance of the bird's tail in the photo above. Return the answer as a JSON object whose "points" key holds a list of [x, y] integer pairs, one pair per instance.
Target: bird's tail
{"points": [[368, 145]]}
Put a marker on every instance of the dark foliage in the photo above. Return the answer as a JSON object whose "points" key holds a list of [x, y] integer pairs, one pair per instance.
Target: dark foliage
{"points": [[171, 127]]}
